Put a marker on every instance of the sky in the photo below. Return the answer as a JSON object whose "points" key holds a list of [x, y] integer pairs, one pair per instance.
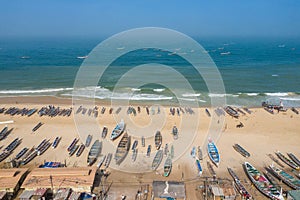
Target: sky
{"points": [[43, 18]]}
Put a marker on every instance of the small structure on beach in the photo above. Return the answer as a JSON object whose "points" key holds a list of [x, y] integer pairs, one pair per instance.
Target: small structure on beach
{"points": [[225, 192], [168, 189]]}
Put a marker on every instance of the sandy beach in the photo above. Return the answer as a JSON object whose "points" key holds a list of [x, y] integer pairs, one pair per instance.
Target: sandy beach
{"points": [[262, 134]]}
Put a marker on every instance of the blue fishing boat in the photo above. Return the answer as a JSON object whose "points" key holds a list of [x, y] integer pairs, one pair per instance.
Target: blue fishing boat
{"points": [[199, 167], [213, 153]]}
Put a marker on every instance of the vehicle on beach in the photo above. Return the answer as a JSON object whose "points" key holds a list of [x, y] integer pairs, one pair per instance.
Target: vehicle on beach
{"points": [[118, 130]]}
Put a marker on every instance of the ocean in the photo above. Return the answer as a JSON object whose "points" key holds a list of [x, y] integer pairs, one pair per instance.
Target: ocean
{"points": [[253, 70]]}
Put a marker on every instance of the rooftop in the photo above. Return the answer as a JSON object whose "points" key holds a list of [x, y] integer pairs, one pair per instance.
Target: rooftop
{"points": [[174, 189]]}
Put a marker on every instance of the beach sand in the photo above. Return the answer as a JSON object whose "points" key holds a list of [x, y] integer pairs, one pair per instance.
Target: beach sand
{"points": [[262, 134]]}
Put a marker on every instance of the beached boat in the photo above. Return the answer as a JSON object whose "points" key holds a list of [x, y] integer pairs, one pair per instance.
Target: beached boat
{"points": [[56, 141], [175, 132], [158, 139], [101, 161], [207, 112], [104, 132], [3, 133], [4, 155], [294, 158], [157, 159], [118, 130], [241, 150], [213, 153], [37, 127], [200, 154], [88, 140], [74, 142], [167, 167], [134, 155], [73, 150], [94, 152], [21, 153], [172, 152], [232, 112], [123, 148], [135, 143], [149, 150], [295, 110], [43, 148], [143, 141], [287, 161], [262, 183], [247, 110], [239, 186], [193, 152], [240, 111], [166, 149], [108, 159], [30, 157], [198, 164], [13, 145], [211, 169], [269, 110], [285, 177], [276, 160], [80, 150]]}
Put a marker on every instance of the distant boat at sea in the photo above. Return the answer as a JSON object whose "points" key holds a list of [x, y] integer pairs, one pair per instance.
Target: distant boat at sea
{"points": [[82, 57], [225, 53]]}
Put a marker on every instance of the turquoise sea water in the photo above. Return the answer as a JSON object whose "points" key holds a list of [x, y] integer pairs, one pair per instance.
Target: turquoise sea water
{"points": [[256, 69]]}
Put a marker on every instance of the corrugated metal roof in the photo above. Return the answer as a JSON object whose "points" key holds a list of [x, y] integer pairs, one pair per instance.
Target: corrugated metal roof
{"points": [[217, 191], [26, 194]]}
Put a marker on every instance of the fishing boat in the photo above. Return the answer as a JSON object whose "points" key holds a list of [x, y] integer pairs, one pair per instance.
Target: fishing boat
{"points": [[88, 140], [158, 140], [134, 155], [104, 132], [21, 153], [198, 164], [247, 110], [3, 133], [276, 160], [269, 110], [166, 149], [30, 157], [193, 152], [175, 132], [43, 148], [200, 154], [73, 150], [80, 150], [4, 155], [239, 186], [167, 167], [287, 161], [143, 141], [294, 158], [262, 183], [211, 169], [172, 152], [13, 145], [74, 142], [101, 161], [94, 152], [240, 111], [56, 141], [241, 150], [157, 159], [207, 112], [149, 150], [37, 127], [108, 159], [295, 110], [285, 177], [123, 148], [118, 130], [232, 112], [213, 153], [135, 143]]}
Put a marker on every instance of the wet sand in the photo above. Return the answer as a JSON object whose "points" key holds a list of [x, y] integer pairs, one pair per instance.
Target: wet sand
{"points": [[262, 134]]}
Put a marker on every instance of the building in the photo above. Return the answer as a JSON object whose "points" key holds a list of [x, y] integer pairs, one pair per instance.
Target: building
{"points": [[224, 192], [11, 180], [79, 179], [293, 195], [168, 190]]}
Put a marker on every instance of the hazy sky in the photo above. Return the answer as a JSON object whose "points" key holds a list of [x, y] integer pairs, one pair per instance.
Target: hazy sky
{"points": [[106, 17]]}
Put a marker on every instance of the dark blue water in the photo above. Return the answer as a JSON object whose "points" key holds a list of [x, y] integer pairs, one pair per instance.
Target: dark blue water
{"points": [[253, 69]]}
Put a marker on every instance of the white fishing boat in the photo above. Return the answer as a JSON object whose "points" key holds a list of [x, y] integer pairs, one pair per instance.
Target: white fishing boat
{"points": [[118, 130]]}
